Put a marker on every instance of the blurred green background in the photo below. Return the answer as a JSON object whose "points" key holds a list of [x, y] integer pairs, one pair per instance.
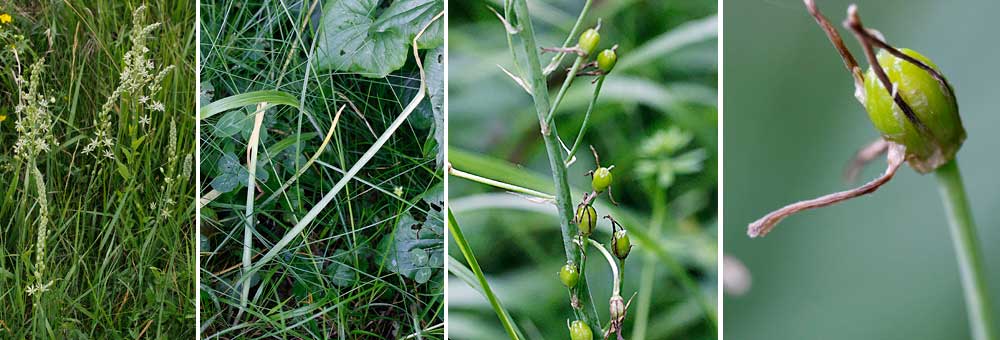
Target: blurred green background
{"points": [[878, 267], [665, 80]]}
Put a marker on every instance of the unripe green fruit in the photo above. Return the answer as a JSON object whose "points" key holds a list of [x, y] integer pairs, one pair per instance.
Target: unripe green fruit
{"points": [[602, 179], [606, 60], [586, 219], [589, 40], [620, 244], [932, 102], [569, 275], [578, 330]]}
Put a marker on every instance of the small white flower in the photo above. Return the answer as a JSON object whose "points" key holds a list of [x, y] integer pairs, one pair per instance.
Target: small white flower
{"points": [[143, 99], [144, 120], [158, 106], [108, 154]]}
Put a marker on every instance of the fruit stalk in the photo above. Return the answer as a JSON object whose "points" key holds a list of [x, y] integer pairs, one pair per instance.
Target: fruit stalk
{"points": [[970, 260]]}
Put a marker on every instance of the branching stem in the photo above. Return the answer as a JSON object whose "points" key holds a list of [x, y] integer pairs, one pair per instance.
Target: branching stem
{"points": [[563, 198]]}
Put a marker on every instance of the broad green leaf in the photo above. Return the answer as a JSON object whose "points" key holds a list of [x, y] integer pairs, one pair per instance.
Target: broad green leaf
{"points": [[433, 37], [349, 40], [410, 16], [230, 123], [271, 97], [232, 174], [410, 250], [434, 70], [207, 92]]}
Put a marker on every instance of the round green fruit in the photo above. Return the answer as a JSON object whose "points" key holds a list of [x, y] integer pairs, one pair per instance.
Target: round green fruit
{"points": [[578, 330], [607, 60], [933, 104], [602, 179], [569, 275], [586, 219], [589, 40], [620, 244]]}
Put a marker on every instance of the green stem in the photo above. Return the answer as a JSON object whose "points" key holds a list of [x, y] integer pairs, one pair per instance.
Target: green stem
{"points": [[557, 59], [495, 183], [586, 120], [970, 261], [540, 95], [565, 86], [463, 245]]}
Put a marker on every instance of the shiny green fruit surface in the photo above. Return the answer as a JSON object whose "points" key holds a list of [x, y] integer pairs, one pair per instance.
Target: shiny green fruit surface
{"points": [[607, 60], [621, 245], [589, 40], [602, 179], [578, 330], [586, 217], [932, 102], [569, 275]]}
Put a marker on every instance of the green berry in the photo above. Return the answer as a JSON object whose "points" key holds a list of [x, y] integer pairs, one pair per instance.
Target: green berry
{"points": [[932, 102], [578, 330], [620, 244], [602, 179], [589, 40], [569, 275], [586, 219], [606, 60]]}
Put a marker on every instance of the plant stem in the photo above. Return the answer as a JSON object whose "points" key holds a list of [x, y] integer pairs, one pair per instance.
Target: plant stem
{"points": [[565, 86], [970, 260], [463, 245], [495, 183], [564, 204], [586, 121], [557, 59]]}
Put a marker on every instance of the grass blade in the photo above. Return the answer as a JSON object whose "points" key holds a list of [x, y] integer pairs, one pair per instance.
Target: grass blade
{"points": [[463, 245], [272, 97]]}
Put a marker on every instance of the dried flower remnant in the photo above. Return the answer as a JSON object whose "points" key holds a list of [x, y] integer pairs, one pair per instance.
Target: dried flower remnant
{"points": [[139, 79], [908, 101]]}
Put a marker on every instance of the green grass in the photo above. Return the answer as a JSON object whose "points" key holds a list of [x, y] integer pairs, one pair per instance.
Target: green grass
{"points": [[332, 279], [120, 266]]}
